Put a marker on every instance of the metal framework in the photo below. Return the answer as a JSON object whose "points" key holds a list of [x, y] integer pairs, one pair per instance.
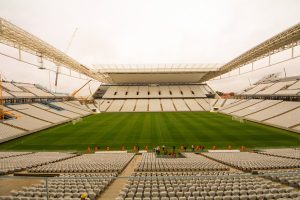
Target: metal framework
{"points": [[16, 37], [280, 42]]}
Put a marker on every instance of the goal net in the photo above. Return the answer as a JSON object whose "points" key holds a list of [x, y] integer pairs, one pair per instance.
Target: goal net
{"points": [[239, 119]]}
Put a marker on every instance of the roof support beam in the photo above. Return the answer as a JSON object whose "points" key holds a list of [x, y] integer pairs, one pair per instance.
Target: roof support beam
{"points": [[280, 42], [16, 37]]}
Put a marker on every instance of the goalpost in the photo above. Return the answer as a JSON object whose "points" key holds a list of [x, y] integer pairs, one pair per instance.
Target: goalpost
{"points": [[239, 119]]}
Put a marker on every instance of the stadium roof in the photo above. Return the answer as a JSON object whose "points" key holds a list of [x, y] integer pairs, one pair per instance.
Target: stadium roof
{"points": [[156, 73]]}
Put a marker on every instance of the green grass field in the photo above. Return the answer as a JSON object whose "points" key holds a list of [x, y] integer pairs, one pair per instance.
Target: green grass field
{"points": [[151, 129]]}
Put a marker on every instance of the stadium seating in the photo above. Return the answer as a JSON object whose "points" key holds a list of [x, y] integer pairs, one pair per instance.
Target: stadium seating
{"points": [[80, 111], [25, 122], [193, 105], [88, 163], [141, 105], [155, 105], [231, 186], [67, 186], [252, 161], [12, 154], [286, 153], [8, 132], [116, 106], [64, 113], [255, 108], [129, 105], [38, 113], [27, 161], [241, 106], [274, 111], [190, 162], [289, 177]]}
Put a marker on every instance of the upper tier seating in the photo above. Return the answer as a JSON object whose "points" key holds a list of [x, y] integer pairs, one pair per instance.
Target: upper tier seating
{"points": [[23, 162], [88, 163], [275, 88], [157, 91], [36, 91], [11, 87], [257, 88], [191, 162], [252, 161]]}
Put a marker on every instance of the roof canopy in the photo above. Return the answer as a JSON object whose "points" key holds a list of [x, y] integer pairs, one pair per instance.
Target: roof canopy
{"points": [[156, 73]]}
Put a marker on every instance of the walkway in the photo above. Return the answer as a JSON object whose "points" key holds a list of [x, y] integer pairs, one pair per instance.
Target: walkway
{"points": [[114, 189]]}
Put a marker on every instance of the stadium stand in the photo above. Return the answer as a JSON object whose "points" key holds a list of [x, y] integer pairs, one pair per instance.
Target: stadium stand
{"points": [[66, 186], [27, 161], [286, 153], [141, 105], [279, 88], [255, 108], [12, 154], [190, 162], [230, 186], [88, 163], [252, 161], [38, 113], [64, 113], [116, 106], [193, 105], [8, 132], [155, 105], [129, 105], [288, 177], [241, 106], [154, 98], [25, 122]]}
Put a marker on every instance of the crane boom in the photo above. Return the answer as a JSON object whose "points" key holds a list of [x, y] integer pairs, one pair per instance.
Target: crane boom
{"points": [[67, 49]]}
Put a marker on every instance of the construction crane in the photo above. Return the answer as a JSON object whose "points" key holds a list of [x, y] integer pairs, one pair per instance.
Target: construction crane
{"points": [[67, 49]]}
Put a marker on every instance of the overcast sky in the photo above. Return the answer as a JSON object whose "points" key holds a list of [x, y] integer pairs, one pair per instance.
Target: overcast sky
{"points": [[149, 31]]}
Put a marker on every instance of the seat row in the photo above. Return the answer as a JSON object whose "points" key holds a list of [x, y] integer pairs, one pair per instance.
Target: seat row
{"points": [[247, 161], [190, 162]]}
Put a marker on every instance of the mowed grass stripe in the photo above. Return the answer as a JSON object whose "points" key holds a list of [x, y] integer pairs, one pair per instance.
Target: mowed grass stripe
{"points": [[115, 130]]}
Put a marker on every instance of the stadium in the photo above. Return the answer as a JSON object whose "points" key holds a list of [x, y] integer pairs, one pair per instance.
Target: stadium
{"points": [[149, 131]]}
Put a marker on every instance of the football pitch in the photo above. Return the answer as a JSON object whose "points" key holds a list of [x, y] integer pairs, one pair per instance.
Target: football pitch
{"points": [[115, 130]]}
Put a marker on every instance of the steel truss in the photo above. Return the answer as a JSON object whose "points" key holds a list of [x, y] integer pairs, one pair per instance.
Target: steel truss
{"points": [[16, 37], [280, 42]]}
